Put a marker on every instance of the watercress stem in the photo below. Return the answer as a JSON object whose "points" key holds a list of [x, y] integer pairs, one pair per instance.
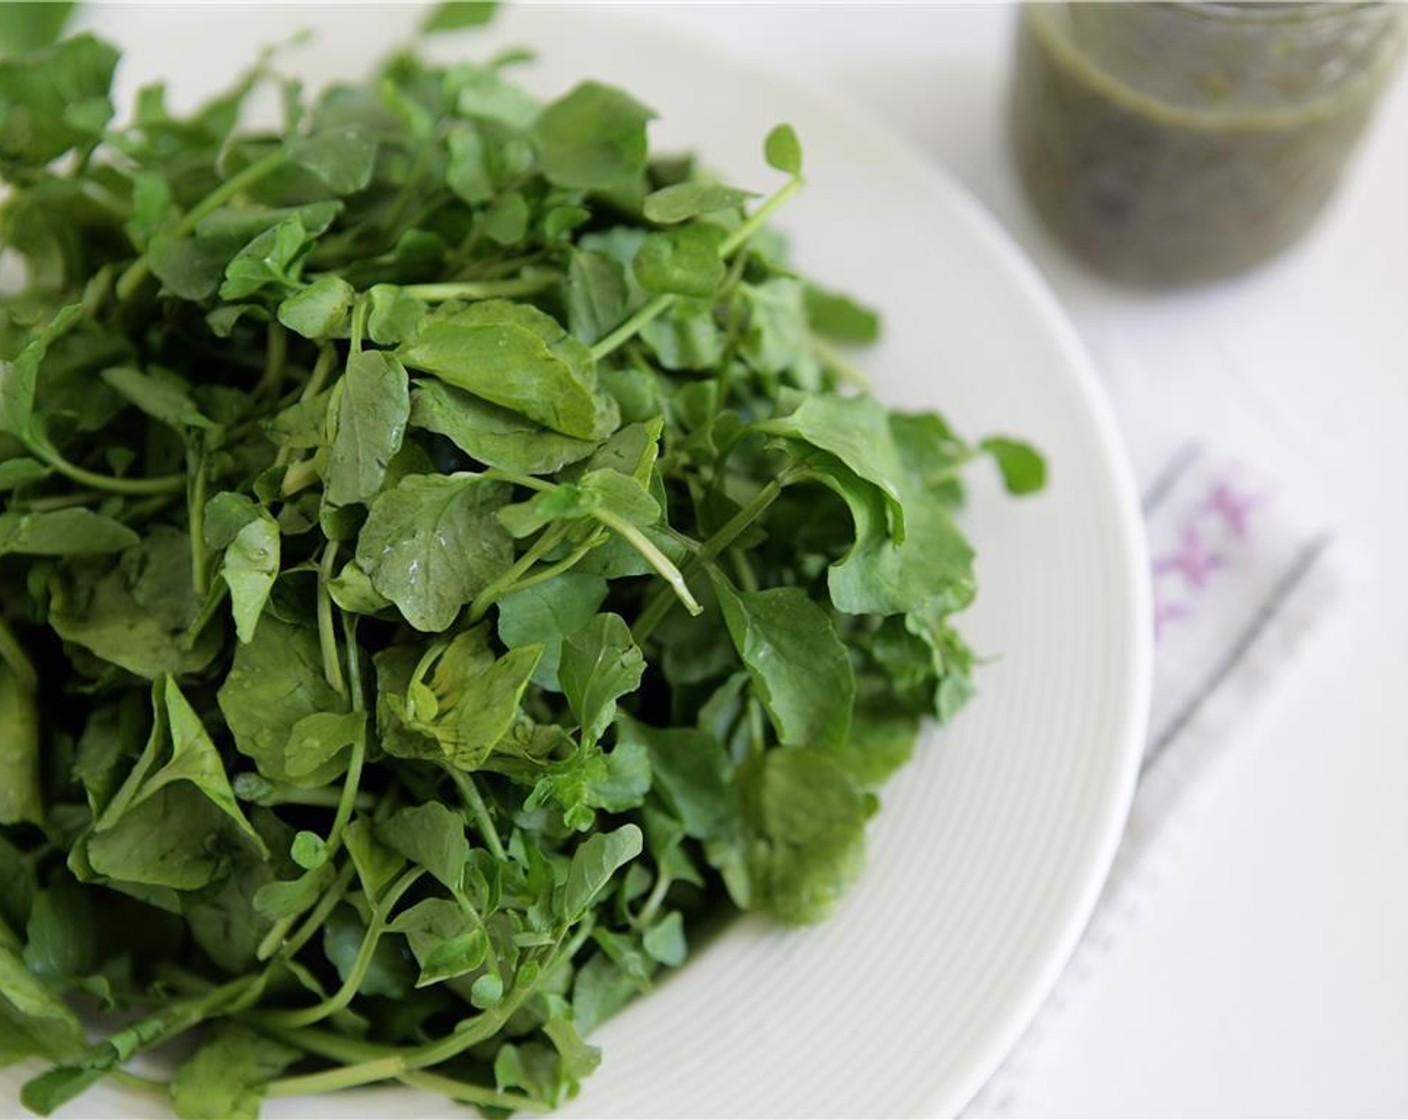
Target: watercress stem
{"points": [[653, 556], [343, 996], [327, 635], [481, 289], [474, 802], [659, 604], [12, 653], [548, 540]]}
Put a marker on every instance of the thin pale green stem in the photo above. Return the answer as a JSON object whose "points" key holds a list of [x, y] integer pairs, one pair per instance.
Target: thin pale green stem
{"points": [[508, 580], [12, 653], [527, 481], [299, 476], [759, 217], [358, 1054], [660, 603], [481, 289], [164, 484], [612, 342], [339, 1077], [568, 562], [662, 564], [343, 996], [361, 313], [200, 578], [275, 355], [327, 633], [474, 802], [129, 1080]]}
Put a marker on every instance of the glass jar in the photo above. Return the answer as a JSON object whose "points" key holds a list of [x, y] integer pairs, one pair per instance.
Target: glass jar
{"points": [[1168, 143]]}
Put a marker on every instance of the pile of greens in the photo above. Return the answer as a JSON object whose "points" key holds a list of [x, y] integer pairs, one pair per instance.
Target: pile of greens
{"points": [[439, 568]]}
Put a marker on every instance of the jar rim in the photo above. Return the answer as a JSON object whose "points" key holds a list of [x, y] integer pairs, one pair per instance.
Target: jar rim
{"points": [[1272, 11]]}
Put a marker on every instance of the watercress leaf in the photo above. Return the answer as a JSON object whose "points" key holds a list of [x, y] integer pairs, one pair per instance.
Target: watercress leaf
{"points": [[373, 405], [596, 294], [195, 759], [840, 317], [54, 99], [227, 1075], [545, 613], [474, 695], [855, 430], [249, 568], [881, 741], [63, 532], [389, 972], [342, 157], [506, 220], [594, 861], [621, 494], [682, 201], [431, 836], [352, 590], [275, 681], [592, 137], [576, 1059], [61, 936], [600, 663], [806, 822], [29, 26], [48, 1025], [783, 150], [320, 310], [317, 739], [935, 561], [1022, 466], [273, 259], [665, 940], [394, 316], [19, 377], [684, 262], [137, 613], [287, 898], [687, 337], [518, 357], [456, 14], [377, 865], [164, 399], [468, 173], [431, 543], [691, 771], [493, 435], [177, 837], [777, 338], [626, 780], [21, 471], [799, 668], [445, 941]]}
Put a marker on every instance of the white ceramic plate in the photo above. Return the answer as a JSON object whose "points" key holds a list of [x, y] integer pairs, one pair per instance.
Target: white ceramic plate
{"points": [[992, 845]]}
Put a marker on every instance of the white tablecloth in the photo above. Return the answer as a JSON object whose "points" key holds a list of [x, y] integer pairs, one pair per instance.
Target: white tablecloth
{"points": [[1258, 966]]}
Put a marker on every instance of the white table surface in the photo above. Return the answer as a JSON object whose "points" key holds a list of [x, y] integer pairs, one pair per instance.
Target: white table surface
{"points": [[1267, 970]]}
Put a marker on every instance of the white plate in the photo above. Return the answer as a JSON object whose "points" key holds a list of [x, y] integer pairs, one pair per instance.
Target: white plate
{"points": [[992, 845]]}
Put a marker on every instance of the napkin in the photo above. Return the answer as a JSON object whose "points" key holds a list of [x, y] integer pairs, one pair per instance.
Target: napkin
{"points": [[1241, 573]]}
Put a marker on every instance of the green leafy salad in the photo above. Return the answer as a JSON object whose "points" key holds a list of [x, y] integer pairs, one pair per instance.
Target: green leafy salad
{"points": [[447, 564]]}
